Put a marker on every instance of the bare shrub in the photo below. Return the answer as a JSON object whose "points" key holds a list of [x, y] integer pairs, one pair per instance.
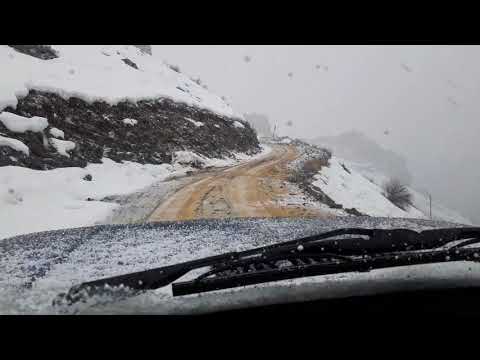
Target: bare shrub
{"points": [[397, 193], [314, 165], [175, 68], [328, 153]]}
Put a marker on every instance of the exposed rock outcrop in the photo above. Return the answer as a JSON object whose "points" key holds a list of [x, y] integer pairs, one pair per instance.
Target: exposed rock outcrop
{"points": [[44, 52], [148, 131]]}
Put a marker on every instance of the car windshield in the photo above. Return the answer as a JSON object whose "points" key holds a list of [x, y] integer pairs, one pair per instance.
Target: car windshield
{"points": [[191, 179]]}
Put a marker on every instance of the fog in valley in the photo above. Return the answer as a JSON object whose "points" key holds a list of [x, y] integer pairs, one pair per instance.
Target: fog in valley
{"points": [[421, 102]]}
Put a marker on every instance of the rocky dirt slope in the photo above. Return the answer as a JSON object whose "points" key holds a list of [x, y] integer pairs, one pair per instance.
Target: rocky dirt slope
{"points": [[112, 101], [159, 127]]}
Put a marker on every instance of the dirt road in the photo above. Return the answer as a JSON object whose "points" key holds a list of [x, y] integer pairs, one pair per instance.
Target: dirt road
{"points": [[254, 189]]}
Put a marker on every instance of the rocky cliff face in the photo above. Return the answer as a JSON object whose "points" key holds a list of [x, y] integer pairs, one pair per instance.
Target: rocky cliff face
{"points": [[148, 131]]}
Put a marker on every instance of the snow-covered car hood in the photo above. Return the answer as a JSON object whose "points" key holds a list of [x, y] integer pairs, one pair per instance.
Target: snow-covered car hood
{"points": [[36, 267]]}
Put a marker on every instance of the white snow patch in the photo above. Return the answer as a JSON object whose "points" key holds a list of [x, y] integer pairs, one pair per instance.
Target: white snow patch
{"points": [[57, 133], [85, 72], [14, 144], [196, 123], [132, 122], [57, 199], [63, 146], [238, 124], [20, 124], [188, 157]]}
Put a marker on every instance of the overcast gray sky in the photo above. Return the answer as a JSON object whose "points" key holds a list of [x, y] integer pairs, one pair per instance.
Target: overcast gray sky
{"points": [[428, 97]]}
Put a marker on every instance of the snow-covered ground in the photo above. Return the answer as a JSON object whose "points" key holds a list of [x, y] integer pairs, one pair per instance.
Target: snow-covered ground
{"points": [[35, 200], [419, 199], [97, 72], [32, 200], [348, 187]]}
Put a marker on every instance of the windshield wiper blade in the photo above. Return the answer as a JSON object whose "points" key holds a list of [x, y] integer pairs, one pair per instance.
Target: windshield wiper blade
{"points": [[313, 255], [242, 277]]}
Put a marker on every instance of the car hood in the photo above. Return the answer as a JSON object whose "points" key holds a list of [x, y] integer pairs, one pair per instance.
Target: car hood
{"points": [[37, 267]]}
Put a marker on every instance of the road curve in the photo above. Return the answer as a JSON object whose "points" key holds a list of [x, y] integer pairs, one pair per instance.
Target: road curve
{"points": [[253, 189]]}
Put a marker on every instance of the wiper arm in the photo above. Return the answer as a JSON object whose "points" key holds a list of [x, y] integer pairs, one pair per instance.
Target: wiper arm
{"points": [[308, 256], [214, 280]]}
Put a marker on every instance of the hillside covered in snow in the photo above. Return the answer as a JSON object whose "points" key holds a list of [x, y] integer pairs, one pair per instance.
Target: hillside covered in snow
{"points": [[118, 102], [349, 187], [82, 122], [420, 200]]}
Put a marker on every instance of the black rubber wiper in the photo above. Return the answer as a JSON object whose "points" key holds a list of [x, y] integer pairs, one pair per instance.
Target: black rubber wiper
{"points": [[338, 251]]}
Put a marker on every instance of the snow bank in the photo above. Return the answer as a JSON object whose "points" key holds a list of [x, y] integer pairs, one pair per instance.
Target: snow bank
{"points": [[132, 122], [57, 133], [353, 190], [57, 199], [63, 146], [97, 72], [14, 144], [20, 124]]}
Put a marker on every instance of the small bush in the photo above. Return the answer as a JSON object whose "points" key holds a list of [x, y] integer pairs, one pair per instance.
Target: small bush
{"points": [[174, 67], [314, 165], [397, 193], [328, 153], [130, 63]]}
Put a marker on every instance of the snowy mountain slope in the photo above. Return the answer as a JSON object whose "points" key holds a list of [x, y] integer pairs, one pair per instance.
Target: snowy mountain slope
{"points": [[80, 123], [420, 200], [370, 167], [108, 101], [98, 72], [346, 186]]}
